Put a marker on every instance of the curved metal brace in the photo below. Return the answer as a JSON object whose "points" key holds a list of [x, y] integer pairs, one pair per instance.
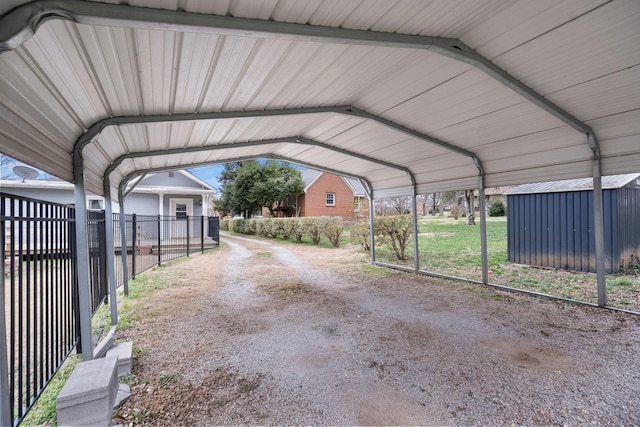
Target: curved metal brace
{"points": [[125, 181], [293, 140], [349, 110]]}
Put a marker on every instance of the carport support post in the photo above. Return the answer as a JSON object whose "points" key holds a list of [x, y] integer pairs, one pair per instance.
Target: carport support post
{"points": [[372, 228], [110, 248], [416, 249], [598, 223], [123, 239], [483, 231], [82, 255]]}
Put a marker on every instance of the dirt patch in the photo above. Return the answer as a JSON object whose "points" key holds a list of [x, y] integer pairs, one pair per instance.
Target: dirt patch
{"points": [[264, 333]]}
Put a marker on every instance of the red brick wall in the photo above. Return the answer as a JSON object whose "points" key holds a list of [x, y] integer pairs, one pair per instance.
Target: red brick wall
{"points": [[314, 202]]}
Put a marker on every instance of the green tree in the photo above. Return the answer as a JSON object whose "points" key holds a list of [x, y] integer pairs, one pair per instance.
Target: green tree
{"points": [[227, 202], [252, 185]]}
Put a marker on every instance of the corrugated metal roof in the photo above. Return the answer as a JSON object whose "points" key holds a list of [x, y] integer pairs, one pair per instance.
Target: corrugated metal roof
{"points": [[608, 182], [578, 54]]}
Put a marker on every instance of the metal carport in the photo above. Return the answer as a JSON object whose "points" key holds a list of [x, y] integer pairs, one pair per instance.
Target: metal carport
{"points": [[410, 96]]}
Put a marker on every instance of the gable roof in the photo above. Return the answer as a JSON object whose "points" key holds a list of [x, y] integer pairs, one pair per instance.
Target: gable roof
{"points": [[410, 96], [310, 176], [58, 184], [608, 182], [145, 181]]}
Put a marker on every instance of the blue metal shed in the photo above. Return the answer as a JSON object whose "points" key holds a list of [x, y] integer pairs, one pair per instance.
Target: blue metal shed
{"points": [[550, 224]]}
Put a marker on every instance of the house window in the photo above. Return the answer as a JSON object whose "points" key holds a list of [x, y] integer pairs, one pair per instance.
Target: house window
{"points": [[356, 204], [331, 199], [95, 204], [181, 211]]}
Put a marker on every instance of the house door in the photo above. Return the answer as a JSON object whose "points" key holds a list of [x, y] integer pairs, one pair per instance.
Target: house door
{"points": [[181, 209]]}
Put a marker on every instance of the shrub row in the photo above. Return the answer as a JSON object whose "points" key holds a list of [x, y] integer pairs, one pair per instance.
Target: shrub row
{"points": [[390, 230], [287, 228]]}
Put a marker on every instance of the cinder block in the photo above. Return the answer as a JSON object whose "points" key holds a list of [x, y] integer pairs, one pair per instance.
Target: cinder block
{"points": [[89, 394], [106, 343], [124, 352]]}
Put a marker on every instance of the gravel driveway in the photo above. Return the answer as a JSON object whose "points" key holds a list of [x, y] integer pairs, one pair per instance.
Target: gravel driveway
{"points": [[261, 332]]}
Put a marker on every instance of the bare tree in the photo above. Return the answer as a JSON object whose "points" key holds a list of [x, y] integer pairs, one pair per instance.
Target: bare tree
{"points": [[401, 204], [469, 205], [423, 199], [6, 167]]}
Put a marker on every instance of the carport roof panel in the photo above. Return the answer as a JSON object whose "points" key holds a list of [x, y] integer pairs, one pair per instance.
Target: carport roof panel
{"points": [[69, 76]]}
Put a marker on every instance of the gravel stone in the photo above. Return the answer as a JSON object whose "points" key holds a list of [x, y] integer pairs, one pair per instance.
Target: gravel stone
{"points": [[272, 333]]}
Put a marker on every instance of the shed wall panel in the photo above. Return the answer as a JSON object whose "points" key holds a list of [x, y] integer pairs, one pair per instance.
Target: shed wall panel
{"points": [[628, 236], [556, 230]]}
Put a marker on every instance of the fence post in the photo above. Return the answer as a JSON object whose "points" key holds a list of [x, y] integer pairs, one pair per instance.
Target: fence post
{"points": [[102, 238], [159, 241], [134, 229], [6, 416], [122, 219], [188, 237], [201, 233]]}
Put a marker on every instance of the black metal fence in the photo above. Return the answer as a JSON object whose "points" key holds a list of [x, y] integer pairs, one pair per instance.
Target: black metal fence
{"points": [[154, 239], [40, 292]]}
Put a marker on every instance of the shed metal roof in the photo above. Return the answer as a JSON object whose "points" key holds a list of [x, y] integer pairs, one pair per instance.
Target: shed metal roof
{"points": [[608, 182], [394, 92]]}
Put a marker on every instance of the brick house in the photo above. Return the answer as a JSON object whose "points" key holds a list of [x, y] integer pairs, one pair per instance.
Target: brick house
{"points": [[326, 194]]}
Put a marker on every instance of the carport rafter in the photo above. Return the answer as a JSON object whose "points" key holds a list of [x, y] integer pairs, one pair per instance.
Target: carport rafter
{"points": [[349, 110], [269, 156], [215, 147]]}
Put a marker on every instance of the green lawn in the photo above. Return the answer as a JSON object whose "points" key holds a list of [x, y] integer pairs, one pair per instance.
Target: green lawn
{"points": [[448, 246]]}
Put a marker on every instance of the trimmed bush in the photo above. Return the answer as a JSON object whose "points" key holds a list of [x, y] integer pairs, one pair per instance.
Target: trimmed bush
{"points": [[333, 228], [264, 227], [237, 225], [250, 226], [361, 234], [277, 228], [288, 225], [297, 230], [397, 229], [313, 228]]}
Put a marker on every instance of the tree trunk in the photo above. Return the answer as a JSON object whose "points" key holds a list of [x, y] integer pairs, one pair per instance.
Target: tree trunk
{"points": [[468, 199], [434, 197]]}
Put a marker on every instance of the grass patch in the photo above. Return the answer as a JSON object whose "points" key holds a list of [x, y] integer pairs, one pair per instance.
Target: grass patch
{"points": [[166, 379], [448, 246], [286, 289], [44, 410]]}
